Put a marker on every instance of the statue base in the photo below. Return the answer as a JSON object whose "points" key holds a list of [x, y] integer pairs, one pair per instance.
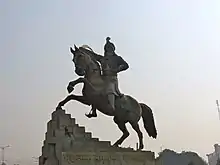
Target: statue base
{"points": [[67, 143]]}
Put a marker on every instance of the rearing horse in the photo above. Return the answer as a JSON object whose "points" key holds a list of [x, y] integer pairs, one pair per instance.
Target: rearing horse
{"points": [[127, 109]]}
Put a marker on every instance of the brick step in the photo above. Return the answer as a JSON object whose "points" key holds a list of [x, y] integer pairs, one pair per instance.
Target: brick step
{"points": [[51, 125], [79, 130], [94, 139], [68, 116], [73, 121], [88, 135], [120, 149], [103, 144], [57, 113]]}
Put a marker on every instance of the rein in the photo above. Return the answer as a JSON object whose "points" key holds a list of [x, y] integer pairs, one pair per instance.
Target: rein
{"points": [[92, 58]]}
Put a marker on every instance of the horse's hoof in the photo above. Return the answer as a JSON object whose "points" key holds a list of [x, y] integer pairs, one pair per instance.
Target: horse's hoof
{"points": [[91, 115], [121, 95], [70, 89], [115, 145], [141, 147], [88, 115], [94, 115], [59, 108]]}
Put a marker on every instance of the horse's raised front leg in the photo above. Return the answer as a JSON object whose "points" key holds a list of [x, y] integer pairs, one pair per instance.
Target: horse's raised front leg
{"points": [[81, 99], [72, 84]]}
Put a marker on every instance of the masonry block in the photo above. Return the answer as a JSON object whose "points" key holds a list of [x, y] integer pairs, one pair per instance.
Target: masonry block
{"points": [[68, 116], [88, 135], [60, 133], [79, 130], [103, 144], [94, 140], [73, 121], [58, 113]]}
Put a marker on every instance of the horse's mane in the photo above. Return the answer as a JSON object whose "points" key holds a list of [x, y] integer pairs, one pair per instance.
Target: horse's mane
{"points": [[88, 50], [87, 47]]}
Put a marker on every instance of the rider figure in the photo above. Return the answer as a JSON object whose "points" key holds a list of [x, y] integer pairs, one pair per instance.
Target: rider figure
{"points": [[111, 65]]}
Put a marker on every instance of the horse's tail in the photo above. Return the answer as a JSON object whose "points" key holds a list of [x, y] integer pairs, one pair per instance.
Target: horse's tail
{"points": [[148, 120]]}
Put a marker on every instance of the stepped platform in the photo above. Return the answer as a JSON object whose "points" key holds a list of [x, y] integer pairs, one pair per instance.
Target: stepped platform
{"points": [[68, 143]]}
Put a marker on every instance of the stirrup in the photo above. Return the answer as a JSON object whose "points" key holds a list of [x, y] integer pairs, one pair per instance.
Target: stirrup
{"points": [[121, 95]]}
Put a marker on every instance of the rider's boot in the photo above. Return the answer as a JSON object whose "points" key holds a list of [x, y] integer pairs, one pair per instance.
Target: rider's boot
{"points": [[92, 112], [111, 100], [120, 94], [118, 91]]}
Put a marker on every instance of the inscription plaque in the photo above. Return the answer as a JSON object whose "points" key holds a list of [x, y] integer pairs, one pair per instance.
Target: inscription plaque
{"points": [[105, 158]]}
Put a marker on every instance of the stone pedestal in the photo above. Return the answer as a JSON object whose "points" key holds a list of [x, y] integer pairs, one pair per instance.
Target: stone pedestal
{"points": [[108, 158], [67, 143]]}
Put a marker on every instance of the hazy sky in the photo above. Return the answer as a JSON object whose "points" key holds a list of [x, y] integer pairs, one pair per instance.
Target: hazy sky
{"points": [[172, 48]]}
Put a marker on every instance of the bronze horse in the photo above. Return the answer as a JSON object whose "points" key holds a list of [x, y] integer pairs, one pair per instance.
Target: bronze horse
{"points": [[127, 108]]}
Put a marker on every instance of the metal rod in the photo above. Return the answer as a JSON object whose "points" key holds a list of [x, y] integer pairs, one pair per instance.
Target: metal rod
{"points": [[217, 103], [3, 152], [136, 146]]}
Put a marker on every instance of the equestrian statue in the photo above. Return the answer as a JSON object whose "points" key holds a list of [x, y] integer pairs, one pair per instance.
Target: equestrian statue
{"points": [[100, 91]]}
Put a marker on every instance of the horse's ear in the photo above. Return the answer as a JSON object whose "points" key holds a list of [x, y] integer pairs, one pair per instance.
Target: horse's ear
{"points": [[75, 47], [72, 51]]}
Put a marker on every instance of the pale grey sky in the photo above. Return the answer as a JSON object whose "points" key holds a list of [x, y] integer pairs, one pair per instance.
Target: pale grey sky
{"points": [[172, 48]]}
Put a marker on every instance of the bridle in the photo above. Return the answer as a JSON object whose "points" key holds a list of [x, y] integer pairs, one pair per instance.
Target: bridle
{"points": [[97, 68]]}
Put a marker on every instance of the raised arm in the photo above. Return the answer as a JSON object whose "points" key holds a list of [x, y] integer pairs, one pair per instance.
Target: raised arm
{"points": [[97, 56], [122, 64]]}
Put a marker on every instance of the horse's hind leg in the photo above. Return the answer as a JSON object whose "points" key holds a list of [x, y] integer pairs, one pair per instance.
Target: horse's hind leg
{"points": [[136, 127], [81, 99], [122, 127]]}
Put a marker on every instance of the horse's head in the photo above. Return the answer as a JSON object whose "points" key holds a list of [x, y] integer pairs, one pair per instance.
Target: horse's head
{"points": [[82, 60]]}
